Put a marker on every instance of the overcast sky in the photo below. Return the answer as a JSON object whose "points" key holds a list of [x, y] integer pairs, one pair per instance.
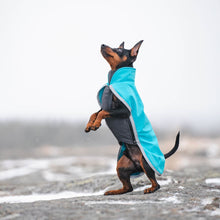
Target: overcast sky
{"points": [[51, 66]]}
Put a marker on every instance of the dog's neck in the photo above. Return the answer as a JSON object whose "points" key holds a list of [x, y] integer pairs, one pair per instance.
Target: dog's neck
{"points": [[127, 63], [124, 74], [111, 72]]}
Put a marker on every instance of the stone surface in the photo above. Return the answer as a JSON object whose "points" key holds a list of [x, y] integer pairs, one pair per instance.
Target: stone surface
{"points": [[69, 183], [184, 194]]}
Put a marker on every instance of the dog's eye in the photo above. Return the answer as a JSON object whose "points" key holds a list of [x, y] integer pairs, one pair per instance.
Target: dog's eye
{"points": [[119, 50]]}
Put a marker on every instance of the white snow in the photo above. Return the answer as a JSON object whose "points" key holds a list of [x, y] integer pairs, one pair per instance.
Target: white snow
{"points": [[215, 212], [45, 197], [142, 188], [165, 182], [172, 199], [214, 181], [207, 201], [119, 202], [12, 216], [16, 168]]}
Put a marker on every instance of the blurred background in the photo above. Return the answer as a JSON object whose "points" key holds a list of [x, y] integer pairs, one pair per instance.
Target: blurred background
{"points": [[51, 69]]}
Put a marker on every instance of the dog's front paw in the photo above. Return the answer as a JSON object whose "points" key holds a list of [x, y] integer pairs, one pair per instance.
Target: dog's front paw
{"points": [[87, 129], [151, 189], [95, 126]]}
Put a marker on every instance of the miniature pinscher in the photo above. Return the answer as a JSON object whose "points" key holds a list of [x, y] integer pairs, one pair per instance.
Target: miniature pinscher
{"points": [[132, 160]]}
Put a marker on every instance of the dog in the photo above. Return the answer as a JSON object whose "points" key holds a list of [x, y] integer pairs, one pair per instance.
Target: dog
{"points": [[123, 111]]}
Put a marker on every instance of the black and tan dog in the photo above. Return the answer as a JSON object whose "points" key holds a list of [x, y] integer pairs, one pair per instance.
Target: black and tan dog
{"points": [[132, 160]]}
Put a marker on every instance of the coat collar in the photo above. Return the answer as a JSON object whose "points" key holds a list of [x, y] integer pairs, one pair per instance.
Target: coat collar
{"points": [[122, 75]]}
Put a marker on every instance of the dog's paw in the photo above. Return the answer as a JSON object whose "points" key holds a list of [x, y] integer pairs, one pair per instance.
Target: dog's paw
{"points": [[108, 193], [87, 129], [118, 192], [95, 126], [151, 189]]}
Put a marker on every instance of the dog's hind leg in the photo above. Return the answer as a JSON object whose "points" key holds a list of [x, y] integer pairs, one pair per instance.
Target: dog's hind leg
{"points": [[151, 175], [125, 168]]}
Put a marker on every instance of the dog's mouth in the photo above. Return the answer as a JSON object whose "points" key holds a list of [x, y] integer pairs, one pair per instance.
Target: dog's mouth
{"points": [[106, 51], [106, 55]]}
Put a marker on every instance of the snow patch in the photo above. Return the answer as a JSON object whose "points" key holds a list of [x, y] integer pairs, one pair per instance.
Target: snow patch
{"points": [[118, 202], [165, 182], [45, 197], [207, 201], [172, 199], [215, 213], [12, 216], [142, 188], [213, 181], [71, 165]]}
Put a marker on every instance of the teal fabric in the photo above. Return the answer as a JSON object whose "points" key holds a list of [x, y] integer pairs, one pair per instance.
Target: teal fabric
{"points": [[123, 87]]}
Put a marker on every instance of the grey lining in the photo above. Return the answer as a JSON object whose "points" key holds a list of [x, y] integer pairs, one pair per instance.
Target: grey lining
{"points": [[98, 95]]}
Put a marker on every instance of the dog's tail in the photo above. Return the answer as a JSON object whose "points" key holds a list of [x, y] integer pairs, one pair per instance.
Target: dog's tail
{"points": [[174, 149]]}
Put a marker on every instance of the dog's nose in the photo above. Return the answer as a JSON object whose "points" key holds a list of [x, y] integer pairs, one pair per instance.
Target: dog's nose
{"points": [[103, 45]]}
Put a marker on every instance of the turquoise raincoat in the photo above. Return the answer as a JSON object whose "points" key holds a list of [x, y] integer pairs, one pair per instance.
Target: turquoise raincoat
{"points": [[122, 85]]}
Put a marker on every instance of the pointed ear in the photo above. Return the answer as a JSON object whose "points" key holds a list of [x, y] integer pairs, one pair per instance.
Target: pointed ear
{"points": [[134, 50], [122, 45]]}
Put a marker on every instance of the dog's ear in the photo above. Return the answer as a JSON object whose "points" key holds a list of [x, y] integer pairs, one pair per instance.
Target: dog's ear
{"points": [[135, 49], [122, 45]]}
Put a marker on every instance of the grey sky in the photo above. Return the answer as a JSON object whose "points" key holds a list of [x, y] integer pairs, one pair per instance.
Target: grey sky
{"points": [[51, 67]]}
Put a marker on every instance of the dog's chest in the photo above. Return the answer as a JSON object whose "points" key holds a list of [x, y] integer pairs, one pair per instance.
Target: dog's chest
{"points": [[107, 99]]}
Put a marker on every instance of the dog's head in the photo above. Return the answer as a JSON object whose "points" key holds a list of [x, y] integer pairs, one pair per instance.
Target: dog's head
{"points": [[120, 57]]}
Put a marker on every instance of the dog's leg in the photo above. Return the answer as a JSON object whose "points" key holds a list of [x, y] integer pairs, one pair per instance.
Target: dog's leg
{"points": [[101, 115], [91, 121], [151, 175], [125, 168]]}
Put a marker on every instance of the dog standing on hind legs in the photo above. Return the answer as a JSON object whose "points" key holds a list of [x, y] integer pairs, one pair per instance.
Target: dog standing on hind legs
{"points": [[123, 110]]}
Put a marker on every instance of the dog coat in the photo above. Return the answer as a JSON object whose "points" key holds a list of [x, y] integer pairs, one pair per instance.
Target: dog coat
{"points": [[137, 128]]}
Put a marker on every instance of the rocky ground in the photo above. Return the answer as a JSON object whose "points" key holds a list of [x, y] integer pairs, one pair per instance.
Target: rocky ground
{"points": [[54, 184]]}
